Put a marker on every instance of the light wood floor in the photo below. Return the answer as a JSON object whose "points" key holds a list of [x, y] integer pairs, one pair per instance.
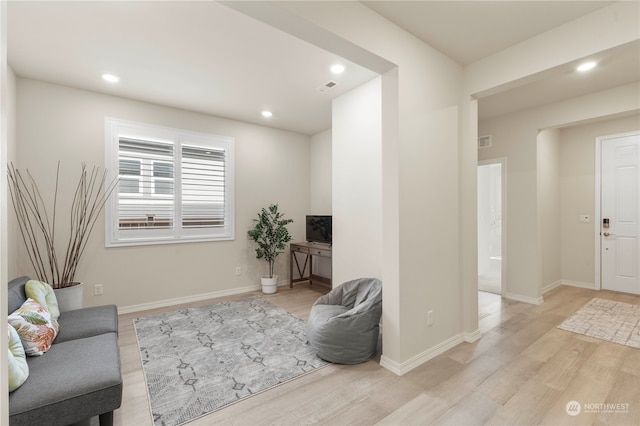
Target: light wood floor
{"points": [[522, 371]]}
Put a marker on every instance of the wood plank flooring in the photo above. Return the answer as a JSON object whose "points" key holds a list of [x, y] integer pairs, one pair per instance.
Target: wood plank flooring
{"points": [[522, 371]]}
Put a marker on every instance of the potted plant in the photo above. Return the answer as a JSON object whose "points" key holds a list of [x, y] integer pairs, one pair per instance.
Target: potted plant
{"points": [[37, 222], [271, 235]]}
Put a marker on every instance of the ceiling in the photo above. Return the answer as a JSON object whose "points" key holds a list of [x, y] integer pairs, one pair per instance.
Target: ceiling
{"points": [[470, 30], [206, 57], [198, 56]]}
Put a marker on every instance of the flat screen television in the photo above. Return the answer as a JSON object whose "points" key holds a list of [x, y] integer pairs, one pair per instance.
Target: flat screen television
{"points": [[319, 229]]}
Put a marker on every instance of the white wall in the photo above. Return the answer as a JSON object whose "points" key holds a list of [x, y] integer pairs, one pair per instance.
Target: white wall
{"points": [[357, 188], [555, 50], [420, 167], [272, 166], [515, 137], [320, 173], [12, 150], [5, 107], [577, 195], [549, 206]]}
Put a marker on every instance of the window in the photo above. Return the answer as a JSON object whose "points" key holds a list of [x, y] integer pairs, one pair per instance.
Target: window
{"points": [[175, 185]]}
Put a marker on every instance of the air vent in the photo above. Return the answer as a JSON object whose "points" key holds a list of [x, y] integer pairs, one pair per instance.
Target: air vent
{"points": [[327, 86], [484, 141]]}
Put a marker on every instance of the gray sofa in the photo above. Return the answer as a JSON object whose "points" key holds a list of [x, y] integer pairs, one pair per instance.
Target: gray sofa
{"points": [[79, 377]]}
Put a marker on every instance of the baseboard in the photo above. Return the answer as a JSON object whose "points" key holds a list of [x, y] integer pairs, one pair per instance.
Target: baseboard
{"points": [[551, 286], [525, 299], [187, 299], [579, 284], [472, 337], [404, 367]]}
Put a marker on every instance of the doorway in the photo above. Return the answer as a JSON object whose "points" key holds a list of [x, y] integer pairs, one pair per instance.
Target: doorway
{"points": [[619, 213], [490, 225]]}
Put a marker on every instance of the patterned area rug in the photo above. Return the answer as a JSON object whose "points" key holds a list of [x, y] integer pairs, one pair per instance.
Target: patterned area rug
{"points": [[615, 322], [199, 360]]}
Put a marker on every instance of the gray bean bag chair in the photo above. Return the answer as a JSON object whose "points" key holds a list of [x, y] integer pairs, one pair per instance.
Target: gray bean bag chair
{"points": [[343, 324]]}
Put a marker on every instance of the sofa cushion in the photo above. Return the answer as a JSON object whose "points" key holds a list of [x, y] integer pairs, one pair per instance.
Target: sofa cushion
{"points": [[43, 294], [17, 361], [16, 293], [87, 322], [74, 381], [35, 326]]}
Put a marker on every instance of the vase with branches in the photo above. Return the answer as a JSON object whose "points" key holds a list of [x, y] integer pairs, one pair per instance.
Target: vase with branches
{"points": [[271, 235], [38, 221]]}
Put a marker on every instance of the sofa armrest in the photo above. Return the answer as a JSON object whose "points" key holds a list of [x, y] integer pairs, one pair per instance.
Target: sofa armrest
{"points": [[15, 293], [87, 322]]}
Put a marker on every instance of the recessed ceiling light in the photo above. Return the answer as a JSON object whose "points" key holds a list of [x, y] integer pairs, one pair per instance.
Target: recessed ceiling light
{"points": [[337, 69], [111, 78], [586, 66], [266, 114]]}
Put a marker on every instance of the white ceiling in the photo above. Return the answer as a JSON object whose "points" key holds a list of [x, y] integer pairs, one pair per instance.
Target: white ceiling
{"points": [[209, 58], [470, 30], [198, 56]]}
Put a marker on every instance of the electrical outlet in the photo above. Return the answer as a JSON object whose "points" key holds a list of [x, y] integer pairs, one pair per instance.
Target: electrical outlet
{"points": [[238, 270], [429, 317], [97, 290]]}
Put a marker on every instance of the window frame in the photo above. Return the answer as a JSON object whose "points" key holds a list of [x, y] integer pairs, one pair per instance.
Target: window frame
{"points": [[115, 129]]}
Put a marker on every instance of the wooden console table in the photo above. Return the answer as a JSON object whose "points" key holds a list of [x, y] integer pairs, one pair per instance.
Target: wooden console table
{"points": [[308, 249]]}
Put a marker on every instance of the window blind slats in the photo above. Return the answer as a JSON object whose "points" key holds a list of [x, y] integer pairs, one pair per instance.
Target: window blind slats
{"points": [[203, 186], [146, 147], [175, 185], [147, 191], [146, 201]]}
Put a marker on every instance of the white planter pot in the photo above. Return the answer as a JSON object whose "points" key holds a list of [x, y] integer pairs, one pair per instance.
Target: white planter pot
{"points": [[269, 285], [70, 298]]}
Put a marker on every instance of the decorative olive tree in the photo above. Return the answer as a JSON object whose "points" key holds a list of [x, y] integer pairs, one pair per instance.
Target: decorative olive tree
{"points": [[37, 221], [271, 234]]}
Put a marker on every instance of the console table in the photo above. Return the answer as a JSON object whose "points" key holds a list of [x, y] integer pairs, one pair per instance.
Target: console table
{"points": [[309, 250]]}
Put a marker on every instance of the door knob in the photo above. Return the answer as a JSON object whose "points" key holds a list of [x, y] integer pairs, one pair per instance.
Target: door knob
{"points": [[606, 234]]}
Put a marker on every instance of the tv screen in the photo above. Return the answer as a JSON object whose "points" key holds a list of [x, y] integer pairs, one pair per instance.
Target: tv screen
{"points": [[319, 229]]}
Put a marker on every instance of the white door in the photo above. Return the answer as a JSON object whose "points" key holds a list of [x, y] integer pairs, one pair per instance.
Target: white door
{"points": [[490, 215], [620, 207]]}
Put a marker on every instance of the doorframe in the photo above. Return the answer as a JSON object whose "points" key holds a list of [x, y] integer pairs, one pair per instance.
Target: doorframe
{"points": [[503, 213], [598, 214]]}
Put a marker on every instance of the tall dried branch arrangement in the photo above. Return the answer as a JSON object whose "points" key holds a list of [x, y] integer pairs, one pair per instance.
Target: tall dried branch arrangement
{"points": [[37, 222]]}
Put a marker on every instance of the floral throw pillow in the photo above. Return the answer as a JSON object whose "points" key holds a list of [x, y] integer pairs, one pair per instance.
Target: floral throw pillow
{"points": [[35, 326]]}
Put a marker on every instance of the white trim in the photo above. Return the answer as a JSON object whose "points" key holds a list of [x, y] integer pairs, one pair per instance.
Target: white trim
{"points": [[473, 336], [503, 220], [551, 286], [598, 216], [404, 367], [114, 237], [187, 299], [525, 299], [598, 207], [579, 284]]}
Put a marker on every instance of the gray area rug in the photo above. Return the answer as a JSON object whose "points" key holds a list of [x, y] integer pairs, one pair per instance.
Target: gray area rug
{"points": [[615, 322], [201, 359]]}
